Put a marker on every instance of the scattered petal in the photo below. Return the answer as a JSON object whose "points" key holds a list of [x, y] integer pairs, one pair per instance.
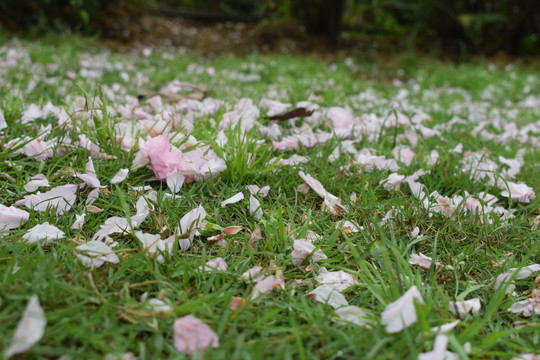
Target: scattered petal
{"points": [[78, 223], [192, 335], [120, 176], [327, 294], [304, 248], [422, 261], [439, 349], [462, 308], [255, 207], [338, 280], [215, 264], [233, 199], [96, 253], [401, 313], [45, 231], [12, 217], [353, 314], [30, 328]]}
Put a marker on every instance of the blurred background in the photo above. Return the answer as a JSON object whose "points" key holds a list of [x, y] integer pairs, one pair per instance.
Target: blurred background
{"points": [[454, 29]]}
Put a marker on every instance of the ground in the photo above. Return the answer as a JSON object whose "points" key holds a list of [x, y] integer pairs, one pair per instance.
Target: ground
{"points": [[399, 194]]}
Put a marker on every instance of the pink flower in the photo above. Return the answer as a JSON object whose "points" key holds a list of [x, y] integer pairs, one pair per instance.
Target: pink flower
{"points": [[191, 334]]}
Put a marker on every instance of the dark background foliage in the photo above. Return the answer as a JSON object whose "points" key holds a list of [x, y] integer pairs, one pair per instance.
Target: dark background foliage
{"points": [[463, 26]]}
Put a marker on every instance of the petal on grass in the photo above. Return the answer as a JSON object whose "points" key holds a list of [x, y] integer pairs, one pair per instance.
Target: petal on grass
{"points": [[401, 313], [33, 185], [30, 328], [462, 308], [96, 253], [304, 248], [191, 335], [327, 294], [233, 199], [439, 349], [61, 198], [255, 207], [45, 231], [422, 261], [78, 223], [12, 217], [339, 280], [120, 176], [215, 264], [353, 314], [175, 181], [267, 285]]}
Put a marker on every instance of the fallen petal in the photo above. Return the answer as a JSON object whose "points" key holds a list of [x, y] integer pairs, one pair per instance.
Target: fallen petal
{"points": [[191, 335], [30, 328], [401, 313]]}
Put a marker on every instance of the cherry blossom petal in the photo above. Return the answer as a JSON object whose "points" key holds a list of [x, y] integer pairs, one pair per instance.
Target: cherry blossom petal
{"points": [[422, 261], [215, 264], [192, 335], [62, 198], [78, 223], [267, 285], [519, 192], [233, 199], [255, 190], [439, 349], [33, 185], [253, 274], [353, 314], [401, 313], [462, 308], [304, 248], [189, 224], [154, 245], [120, 176], [339, 280], [327, 294], [30, 328], [522, 273], [255, 207], [175, 181], [96, 253], [528, 306], [12, 217], [45, 231], [3, 123]]}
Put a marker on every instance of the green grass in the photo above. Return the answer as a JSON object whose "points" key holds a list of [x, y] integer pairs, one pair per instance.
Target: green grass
{"points": [[94, 312]]}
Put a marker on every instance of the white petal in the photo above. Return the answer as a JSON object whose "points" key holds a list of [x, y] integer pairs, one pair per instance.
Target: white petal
{"points": [[96, 253], [30, 328], [327, 294], [462, 308], [78, 223], [255, 207], [120, 176], [175, 181], [439, 349], [353, 314], [45, 231], [12, 217], [339, 280], [233, 199], [401, 313]]}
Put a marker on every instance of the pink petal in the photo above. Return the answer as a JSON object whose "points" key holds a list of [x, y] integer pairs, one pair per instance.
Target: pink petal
{"points": [[12, 217], [266, 285], [215, 264], [401, 313], [38, 182], [120, 176], [61, 198], [339, 280], [30, 328], [327, 294], [302, 249], [233, 199], [45, 231], [191, 335]]}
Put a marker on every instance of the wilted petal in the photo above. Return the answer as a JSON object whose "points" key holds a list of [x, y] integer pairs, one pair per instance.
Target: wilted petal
{"points": [[12, 217], [96, 253], [401, 313], [339, 280], [422, 261], [33, 185], [120, 176], [233, 199], [191, 334], [78, 223], [30, 328], [61, 198], [255, 207], [462, 308], [528, 306], [45, 231], [215, 264], [353, 314], [266, 285], [519, 192], [439, 349], [175, 181], [327, 294], [302, 249]]}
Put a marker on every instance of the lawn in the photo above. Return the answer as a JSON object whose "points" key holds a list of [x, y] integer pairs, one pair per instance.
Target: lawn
{"points": [[402, 200]]}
